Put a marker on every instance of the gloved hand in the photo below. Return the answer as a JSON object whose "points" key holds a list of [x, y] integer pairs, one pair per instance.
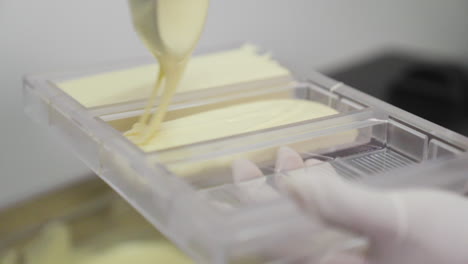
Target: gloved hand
{"points": [[403, 227]]}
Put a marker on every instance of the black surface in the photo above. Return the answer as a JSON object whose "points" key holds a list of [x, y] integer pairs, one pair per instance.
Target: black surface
{"points": [[434, 90]]}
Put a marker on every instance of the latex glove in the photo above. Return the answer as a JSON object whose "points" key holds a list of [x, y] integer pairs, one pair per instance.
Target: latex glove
{"points": [[252, 186], [404, 227]]}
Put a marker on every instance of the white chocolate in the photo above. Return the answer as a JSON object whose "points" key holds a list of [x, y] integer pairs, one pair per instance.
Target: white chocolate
{"points": [[235, 120], [214, 70]]}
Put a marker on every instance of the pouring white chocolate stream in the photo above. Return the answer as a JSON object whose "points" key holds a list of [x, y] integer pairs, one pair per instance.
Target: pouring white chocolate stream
{"points": [[170, 29], [152, 20]]}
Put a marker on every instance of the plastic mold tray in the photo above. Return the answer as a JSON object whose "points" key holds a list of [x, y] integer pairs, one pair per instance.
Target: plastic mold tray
{"points": [[200, 208]]}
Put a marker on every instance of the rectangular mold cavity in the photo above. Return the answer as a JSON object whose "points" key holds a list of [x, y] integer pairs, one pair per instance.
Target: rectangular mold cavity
{"points": [[310, 139], [122, 121], [407, 141], [189, 192], [359, 149], [441, 150]]}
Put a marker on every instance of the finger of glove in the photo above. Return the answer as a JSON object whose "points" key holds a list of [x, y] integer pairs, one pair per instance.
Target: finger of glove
{"points": [[251, 183], [245, 170]]}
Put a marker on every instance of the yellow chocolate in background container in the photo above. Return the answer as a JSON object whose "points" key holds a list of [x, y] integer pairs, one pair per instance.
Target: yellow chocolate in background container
{"points": [[9, 257], [53, 245], [139, 252]]}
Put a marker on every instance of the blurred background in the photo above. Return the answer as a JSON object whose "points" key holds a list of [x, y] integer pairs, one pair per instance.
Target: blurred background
{"points": [[365, 43]]}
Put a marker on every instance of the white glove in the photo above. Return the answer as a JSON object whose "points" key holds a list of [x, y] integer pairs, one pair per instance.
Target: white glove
{"points": [[404, 227]]}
